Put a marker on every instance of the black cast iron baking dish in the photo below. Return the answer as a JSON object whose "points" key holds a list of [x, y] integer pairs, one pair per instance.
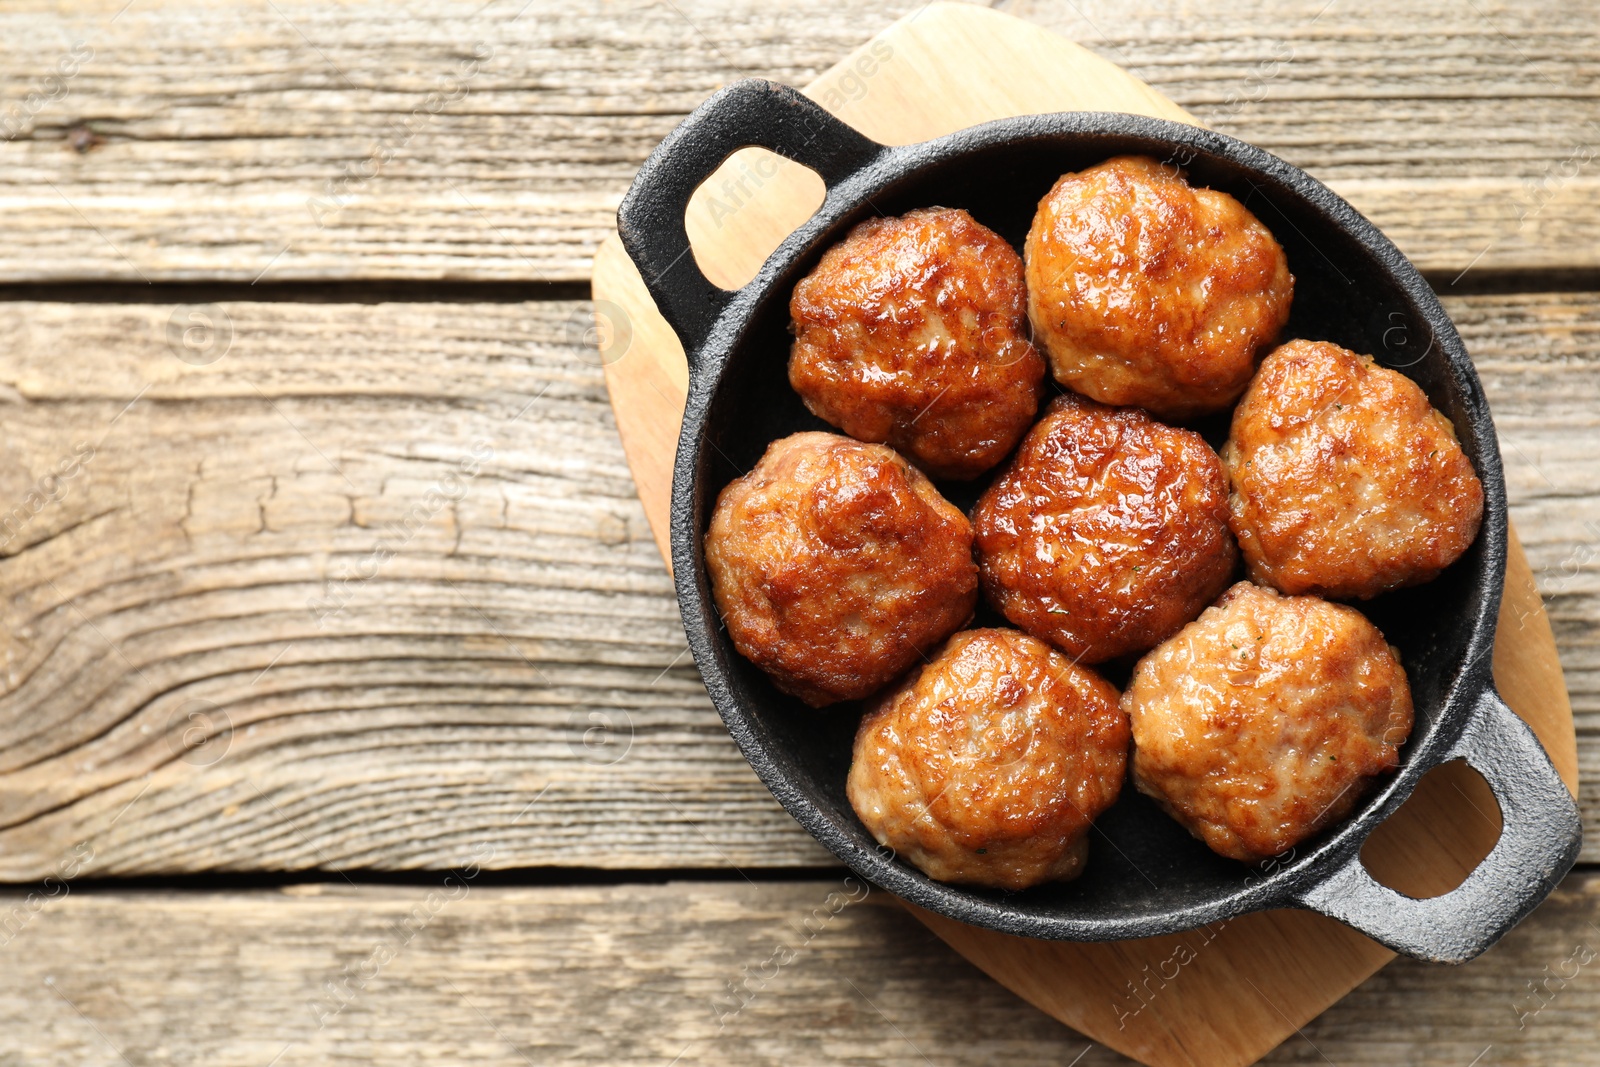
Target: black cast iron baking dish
{"points": [[1146, 876]]}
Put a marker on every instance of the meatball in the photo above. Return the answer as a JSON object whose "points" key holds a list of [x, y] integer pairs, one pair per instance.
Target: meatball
{"points": [[913, 331], [1346, 482], [835, 564], [987, 765], [1265, 719], [1144, 290], [1107, 532]]}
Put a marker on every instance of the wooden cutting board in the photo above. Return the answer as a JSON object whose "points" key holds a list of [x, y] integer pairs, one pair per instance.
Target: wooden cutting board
{"points": [[1224, 995]]}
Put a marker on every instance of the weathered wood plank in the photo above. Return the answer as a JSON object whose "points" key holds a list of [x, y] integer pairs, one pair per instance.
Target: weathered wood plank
{"points": [[517, 644], [710, 973], [239, 138]]}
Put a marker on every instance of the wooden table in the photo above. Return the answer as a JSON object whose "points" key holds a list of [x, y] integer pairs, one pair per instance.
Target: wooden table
{"points": [[345, 715]]}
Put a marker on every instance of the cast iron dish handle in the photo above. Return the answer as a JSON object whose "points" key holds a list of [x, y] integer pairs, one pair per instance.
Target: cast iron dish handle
{"points": [[1539, 842], [650, 219]]}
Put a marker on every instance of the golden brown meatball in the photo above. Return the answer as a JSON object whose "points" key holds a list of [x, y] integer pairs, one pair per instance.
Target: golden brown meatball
{"points": [[1346, 482], [987, 765], [1107, 532], [1144, 290], [913, 331], [835, 564], [1265, 719]]}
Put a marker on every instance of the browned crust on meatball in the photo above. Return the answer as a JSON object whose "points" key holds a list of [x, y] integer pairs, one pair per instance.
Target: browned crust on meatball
{"points": [[1266, 719], [1346, 482], [913, 331], [835, 564], [988, 765], [1107, 532], [1144, 290]]}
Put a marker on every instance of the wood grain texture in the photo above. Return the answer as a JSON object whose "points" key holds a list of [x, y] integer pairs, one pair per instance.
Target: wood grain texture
{"points": [[636, 975], [211, 515], [240, 139], [517, 639]]}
